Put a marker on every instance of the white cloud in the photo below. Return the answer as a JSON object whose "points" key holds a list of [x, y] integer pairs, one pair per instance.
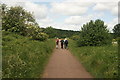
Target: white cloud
{"points": [[115, 11], [76, 22], [82, 19], [65, 0], [45, 22], [100, 7], [59, 25], [15, 3], [77, 19], [91, 0], [107, 6], [75, 10], [71, 27], [111, 24], [66, 26], [68, 8], [39, 10]]}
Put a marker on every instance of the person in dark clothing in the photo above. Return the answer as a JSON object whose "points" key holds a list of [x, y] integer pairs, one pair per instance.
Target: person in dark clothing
{"points": [[57, 43], [62, 42], [66, 43]]}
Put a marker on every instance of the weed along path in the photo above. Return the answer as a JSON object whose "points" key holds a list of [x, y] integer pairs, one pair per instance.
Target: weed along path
{"points": [[63, 64]]}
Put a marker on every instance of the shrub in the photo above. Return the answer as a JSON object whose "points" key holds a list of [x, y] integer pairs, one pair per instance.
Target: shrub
{"points": [[116, 30], [36, 33], [75, 37], [119, 45], [94, 34], [40, 36]]}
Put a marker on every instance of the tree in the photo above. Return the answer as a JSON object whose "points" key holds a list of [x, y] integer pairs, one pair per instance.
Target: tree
{"points": [[15, 20], [50, 31], [94, 33], [116, 30], [18, 20]]}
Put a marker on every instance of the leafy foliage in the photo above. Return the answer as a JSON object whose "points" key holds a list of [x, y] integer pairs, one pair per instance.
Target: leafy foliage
{"points": [[18, 20], [23, 57], [94, 34], [52, 32], [36, 33], [75, 37], [119, 46], [116, 30]]}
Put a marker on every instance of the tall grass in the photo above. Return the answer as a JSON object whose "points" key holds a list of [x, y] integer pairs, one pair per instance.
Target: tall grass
{"points": [[24, 58], [119, 56], [101, 62]]}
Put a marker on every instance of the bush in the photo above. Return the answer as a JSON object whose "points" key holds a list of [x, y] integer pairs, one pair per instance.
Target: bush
{"points": [[36, 33], [118, 45], [40, 36], [94, 34], [75, 37], [116, 30]]}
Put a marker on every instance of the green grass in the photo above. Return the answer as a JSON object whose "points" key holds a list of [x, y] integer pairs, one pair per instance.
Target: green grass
{"points": [[101, 62], [24, 58], [119, 56]]}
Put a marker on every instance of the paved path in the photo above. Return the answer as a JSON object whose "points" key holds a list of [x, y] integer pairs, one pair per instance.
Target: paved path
{"points": [[63, 64]]}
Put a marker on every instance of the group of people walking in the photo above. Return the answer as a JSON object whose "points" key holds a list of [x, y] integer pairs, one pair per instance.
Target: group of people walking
{"points": [[63, 42]]}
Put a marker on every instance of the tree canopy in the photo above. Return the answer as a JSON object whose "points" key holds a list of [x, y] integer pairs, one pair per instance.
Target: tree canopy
{"points": [[116, 30], [52, 32], [94, 33], [18, 20]]}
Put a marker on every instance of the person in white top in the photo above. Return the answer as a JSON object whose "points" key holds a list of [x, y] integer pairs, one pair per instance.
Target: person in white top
{"points": [[66, 43]]}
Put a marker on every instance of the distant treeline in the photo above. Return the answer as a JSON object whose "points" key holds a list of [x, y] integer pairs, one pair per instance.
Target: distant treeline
{"points": [[59, 33], [53, 32]]}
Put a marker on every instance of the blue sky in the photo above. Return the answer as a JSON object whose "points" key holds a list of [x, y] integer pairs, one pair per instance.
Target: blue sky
{"points": [[69, 14]]}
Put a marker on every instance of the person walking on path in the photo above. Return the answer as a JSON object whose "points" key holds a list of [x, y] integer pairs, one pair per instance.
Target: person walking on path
{"points": [[57, 42], [66, 43], [62, 42]]}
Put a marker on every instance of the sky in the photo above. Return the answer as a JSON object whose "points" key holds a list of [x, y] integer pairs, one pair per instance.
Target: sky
{"points": [[69, 14]]}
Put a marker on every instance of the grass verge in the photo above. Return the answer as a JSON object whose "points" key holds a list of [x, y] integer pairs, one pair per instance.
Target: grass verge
{"points": [[101, 62], [24, 58]]}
